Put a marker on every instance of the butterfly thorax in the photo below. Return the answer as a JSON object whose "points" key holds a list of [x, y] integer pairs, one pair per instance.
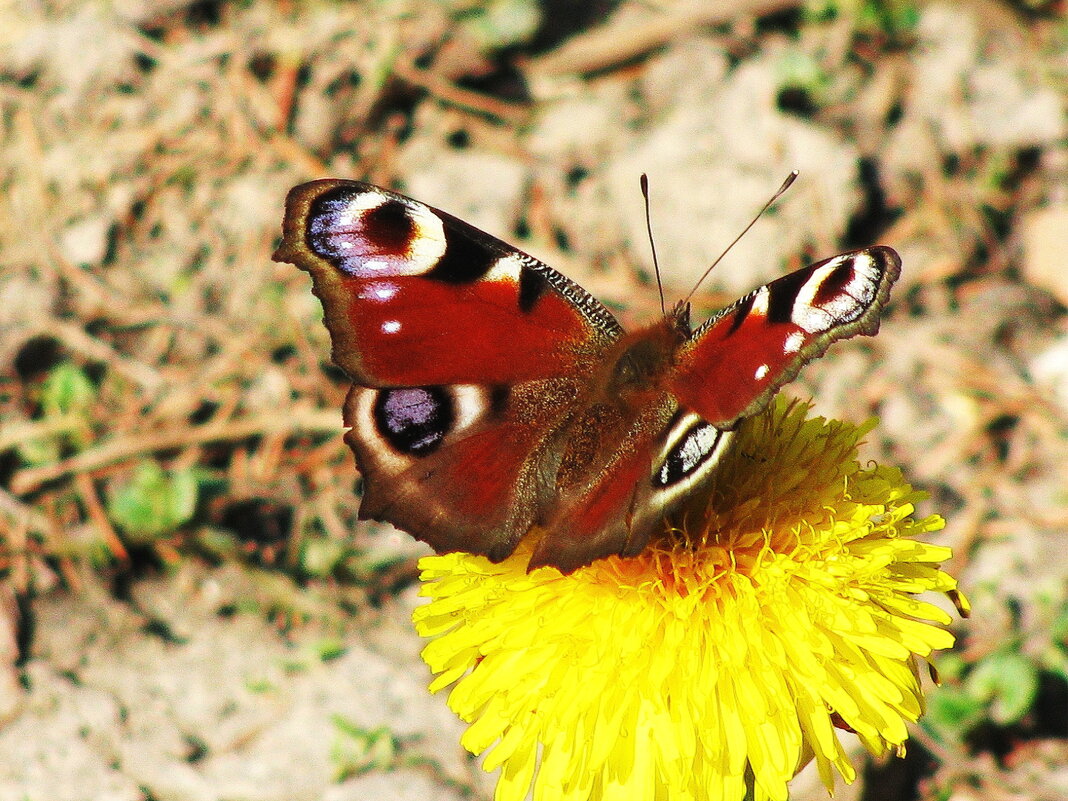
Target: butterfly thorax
{"points": [[627, 396], [640, 360]]}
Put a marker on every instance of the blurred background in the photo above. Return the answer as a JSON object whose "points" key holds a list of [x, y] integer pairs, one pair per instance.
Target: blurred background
{"points": [[188, 607]]}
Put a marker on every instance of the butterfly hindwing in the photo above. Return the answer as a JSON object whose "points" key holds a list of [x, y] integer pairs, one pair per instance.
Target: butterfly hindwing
{"points": [[462, 467]]}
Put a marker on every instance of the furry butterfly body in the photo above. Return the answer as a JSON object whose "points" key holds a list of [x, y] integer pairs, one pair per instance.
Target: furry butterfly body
{"points": [[493, 397]]}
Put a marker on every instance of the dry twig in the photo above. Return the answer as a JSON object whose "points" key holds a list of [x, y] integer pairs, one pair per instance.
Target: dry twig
{"points": [[128, 446], [448, 92], [619, 42]]}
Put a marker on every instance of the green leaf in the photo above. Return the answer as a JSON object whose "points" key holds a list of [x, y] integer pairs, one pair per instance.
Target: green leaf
{"points": [[66, 390], [330, 648], [796, 68], [319, 556], [891, 17], [154, 502], [1008, 682], [357, 750], [502, 23], [66, 397], [952, 713], [39, 450], [259, 685], [218, 542]]}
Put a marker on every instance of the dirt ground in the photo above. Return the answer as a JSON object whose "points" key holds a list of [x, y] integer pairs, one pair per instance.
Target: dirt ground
{"points": [[189, 608]]}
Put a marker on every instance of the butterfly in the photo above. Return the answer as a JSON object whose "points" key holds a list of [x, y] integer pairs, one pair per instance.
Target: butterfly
{"points": [[493, 397]]}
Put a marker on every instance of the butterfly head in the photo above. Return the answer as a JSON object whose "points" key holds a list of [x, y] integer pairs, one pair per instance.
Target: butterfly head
{"points": [[680, 319]]}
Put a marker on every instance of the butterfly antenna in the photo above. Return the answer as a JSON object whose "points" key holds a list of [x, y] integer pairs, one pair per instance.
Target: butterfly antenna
{"points": [[782, 189], [652, 245]]}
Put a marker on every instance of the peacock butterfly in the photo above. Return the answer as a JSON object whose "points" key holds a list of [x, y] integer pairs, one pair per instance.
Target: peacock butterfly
{"points": [[493, 396]]}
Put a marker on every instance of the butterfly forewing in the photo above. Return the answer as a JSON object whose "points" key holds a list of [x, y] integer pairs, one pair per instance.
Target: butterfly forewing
{"points": [[734, 364], [414, 297]]}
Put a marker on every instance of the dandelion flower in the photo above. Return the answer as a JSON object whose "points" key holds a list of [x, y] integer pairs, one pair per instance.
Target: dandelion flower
{"points": [[721, 659]]}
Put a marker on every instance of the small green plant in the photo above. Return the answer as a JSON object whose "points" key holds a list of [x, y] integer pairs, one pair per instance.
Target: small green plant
{"points": [[357, 750], [500, 23], [260, 686], [66, 397], [67, 390], [893, 19], [799, 71], [320, 556], [154, 501], [330, 648], [1000, 687], [1003, 685]]}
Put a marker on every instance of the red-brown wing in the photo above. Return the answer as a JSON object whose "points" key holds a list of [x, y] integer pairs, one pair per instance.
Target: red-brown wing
{"points": [[733, 365], [415, 297]]}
